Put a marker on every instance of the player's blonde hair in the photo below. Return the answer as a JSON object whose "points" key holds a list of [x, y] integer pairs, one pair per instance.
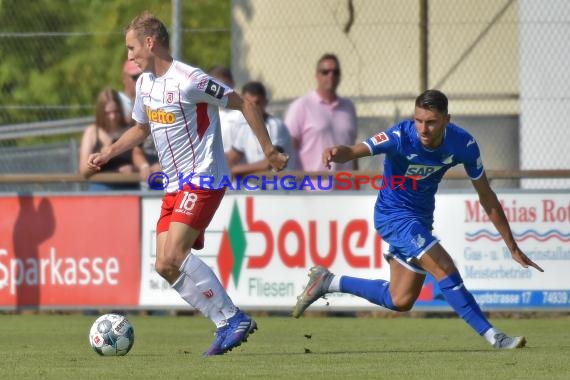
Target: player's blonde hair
{"points": [[147, 25]]}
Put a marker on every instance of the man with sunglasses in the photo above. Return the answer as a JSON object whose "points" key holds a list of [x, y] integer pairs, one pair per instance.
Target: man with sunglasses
{"points": [[322, 118]]}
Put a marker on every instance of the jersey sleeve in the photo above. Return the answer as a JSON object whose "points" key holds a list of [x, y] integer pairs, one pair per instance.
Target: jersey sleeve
{"points": [[472, 161], [382, 142], [202, 88]]}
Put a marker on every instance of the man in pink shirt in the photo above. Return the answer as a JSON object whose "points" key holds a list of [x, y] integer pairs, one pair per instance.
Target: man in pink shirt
{"points": [[322, 118]]}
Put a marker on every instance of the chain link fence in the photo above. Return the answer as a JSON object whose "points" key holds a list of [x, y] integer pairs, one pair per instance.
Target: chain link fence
{"points": [[58, 54], [501, 62]]}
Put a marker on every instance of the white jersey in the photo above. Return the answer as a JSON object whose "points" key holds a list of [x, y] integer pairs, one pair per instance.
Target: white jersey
{"points": [[181, 108], [246, 142], [228, 120]]}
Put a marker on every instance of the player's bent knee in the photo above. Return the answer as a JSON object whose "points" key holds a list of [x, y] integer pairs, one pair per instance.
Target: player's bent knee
{"points": [[404, 303], [165, 268], [403, 307], [160, 267]]}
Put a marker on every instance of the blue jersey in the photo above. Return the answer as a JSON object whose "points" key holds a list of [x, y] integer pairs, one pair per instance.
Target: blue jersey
{"points": [[412, 172]]}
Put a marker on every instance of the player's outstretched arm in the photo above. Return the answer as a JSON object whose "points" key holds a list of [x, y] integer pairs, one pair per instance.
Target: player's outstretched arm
{"points": [[493, 208], [128, 140], [344, 153], [254, 117]]}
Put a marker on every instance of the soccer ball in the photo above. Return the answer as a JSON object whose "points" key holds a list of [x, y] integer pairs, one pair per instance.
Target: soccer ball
{"points": [[111, 335]]}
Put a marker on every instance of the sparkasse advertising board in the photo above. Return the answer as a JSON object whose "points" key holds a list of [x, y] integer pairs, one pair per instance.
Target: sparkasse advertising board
{"points": [[61, 252]]}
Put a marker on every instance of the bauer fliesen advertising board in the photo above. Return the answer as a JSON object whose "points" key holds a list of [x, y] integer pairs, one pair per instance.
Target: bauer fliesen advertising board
{"points": [[261, 246]]}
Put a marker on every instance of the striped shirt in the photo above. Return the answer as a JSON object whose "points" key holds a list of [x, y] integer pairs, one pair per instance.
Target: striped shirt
{"points": [[181, 108]]}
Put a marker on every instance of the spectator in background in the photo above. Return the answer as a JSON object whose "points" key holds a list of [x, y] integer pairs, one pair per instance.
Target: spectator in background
{"points": [[322, 118], [145, 160], [145, 157], [246, 148], [131, 73], [109, 125], [228, 117]]}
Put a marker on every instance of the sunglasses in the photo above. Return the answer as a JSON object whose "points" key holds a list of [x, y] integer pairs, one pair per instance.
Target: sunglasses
{"points": [[335, 72]]}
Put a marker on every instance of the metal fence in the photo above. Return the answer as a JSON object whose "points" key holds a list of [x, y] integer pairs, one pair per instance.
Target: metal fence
{"points": [[502, 63], [45, 158], [58, 54]]}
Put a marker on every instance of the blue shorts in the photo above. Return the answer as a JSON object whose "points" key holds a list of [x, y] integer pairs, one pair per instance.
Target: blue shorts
{"points": [[408, 238]]}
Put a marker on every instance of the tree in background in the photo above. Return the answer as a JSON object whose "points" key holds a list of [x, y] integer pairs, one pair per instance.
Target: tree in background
{"points": [[57, 55]]}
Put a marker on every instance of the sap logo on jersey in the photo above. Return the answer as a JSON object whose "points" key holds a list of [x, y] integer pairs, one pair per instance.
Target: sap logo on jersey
{"points": [[422, 171], [160, 116]]}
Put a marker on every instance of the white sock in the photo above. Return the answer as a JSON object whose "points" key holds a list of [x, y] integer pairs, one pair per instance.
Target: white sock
{"points": [[191, 294], [489, 335], [334, 286], [208, 284]]}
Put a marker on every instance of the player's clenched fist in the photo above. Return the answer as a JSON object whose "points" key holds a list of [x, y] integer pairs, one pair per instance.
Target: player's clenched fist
{"points": [[339, 154], [278, 160], [95, 162]]}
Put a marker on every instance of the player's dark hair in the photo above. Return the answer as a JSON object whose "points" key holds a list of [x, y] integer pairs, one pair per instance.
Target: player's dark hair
{"points": [[147, 25], [432, 100], [255, 88]]}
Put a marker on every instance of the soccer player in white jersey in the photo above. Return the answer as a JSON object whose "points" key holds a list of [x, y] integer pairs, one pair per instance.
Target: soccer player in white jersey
{"points": [[421, 151], [178, 104]]}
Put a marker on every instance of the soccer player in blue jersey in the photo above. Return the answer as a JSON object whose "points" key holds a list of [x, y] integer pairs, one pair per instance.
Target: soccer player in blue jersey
{"points": [[422, 150]]}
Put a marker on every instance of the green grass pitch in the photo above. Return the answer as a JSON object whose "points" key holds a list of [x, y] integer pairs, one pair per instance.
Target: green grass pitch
{"points": [[167, 347]]}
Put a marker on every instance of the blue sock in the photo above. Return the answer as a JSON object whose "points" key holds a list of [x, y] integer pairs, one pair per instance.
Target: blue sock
{"points": [[462, 301], [375, 291]]}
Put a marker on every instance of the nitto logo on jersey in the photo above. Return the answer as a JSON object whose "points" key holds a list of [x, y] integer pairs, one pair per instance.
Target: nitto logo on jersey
{"points": [[214, 89], [421, 171], [379, 138], [160, 116]]}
